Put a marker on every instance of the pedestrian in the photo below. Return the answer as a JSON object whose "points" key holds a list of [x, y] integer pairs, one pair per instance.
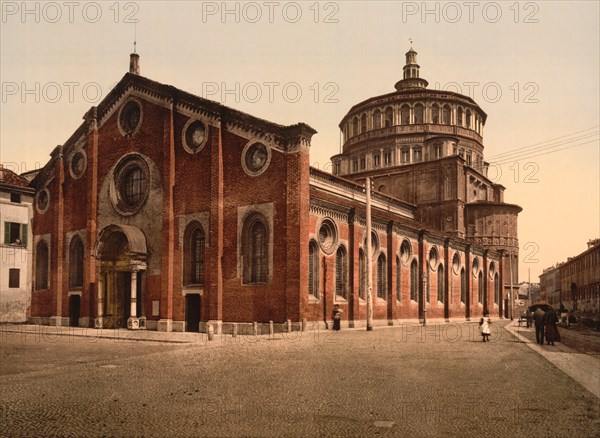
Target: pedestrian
{"points": [[337, 316], [484, 326], [538, 318], [529, 317], [550, 320]]}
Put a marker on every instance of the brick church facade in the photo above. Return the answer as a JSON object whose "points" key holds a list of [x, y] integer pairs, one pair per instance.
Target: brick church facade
{"points": [[167, 211]]}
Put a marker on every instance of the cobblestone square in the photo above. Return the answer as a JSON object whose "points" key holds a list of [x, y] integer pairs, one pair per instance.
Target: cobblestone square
{"points": [[433, 381]]}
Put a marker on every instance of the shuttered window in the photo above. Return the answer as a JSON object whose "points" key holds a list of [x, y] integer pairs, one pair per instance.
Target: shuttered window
{"points": [[15, 234]]}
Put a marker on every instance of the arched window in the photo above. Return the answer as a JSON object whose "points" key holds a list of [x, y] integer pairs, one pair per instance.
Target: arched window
{"points": [[41, 265], [414, 280], [362, 274], [463, 286], [468, 119], [404, 115], [389, 116], [398, 278], [255, 241], [480, 287], [459, 116], [418, 113], [341, 273], [194, 246], [363, 123], [381, 277], [76, 262], [313, 269], [377, 119], [440, 283], [496, 289], [446, 115], [405, 252], [435, 113], [355, 126]]}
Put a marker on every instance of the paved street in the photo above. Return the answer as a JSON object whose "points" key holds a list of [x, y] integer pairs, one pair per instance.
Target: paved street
{"points": [[398, 381]]}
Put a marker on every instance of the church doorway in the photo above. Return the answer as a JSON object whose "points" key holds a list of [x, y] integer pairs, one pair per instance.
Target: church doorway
{"points": [[122, 253], [74, 310], [192, 313]]}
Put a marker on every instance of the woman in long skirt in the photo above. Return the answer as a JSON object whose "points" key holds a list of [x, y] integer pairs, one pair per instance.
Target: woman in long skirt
{"points": [[550, 320], [484, 326]]}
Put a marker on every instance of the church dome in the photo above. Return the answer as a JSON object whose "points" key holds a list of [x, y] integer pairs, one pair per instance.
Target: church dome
{"points": [[410, 125]]}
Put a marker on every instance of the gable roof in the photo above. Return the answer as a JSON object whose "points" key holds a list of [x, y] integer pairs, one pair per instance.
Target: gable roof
{"points": [[228, 117]]}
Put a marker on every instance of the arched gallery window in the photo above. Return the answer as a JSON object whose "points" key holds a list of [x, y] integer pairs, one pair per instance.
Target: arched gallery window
{"points": [[435, 113], [405, 115], [419, 113], [446, 115], [377, 119], [389, 116]]}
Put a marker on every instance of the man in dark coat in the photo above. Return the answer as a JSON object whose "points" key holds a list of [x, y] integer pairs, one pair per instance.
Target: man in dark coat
{"points": [[538, 318]]}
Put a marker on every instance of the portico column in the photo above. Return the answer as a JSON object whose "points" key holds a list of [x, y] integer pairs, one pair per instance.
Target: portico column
{"points": [[133, 323], [100, 300]]}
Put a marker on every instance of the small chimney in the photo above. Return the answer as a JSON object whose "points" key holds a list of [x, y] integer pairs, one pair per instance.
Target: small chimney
{"points": [[134, 64]]}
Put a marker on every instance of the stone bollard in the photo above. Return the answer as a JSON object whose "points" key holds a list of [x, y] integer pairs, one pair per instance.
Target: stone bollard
{"points": [[289, 326], [304, 324], [234, 330], [271, 331], [210, 331], [255, 328]]}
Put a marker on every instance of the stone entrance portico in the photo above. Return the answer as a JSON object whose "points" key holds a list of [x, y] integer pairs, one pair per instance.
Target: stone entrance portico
{"points": [[122, 254]]}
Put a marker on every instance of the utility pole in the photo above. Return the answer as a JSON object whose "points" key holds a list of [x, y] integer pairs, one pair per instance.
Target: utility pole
{"points": [[529, 285], [512, 299], [369, 259]]}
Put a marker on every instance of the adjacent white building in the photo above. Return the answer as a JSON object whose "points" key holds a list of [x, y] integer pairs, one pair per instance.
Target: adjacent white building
{"points": [[16, 211]]}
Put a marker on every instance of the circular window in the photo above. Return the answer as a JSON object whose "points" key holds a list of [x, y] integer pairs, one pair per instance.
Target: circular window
{"points": [[456, 263], [256, 158], [433, 257], [194, 136], [129, 117], [327, 236], [78, 163], [42, 201], [405, 252], [129, 188]]}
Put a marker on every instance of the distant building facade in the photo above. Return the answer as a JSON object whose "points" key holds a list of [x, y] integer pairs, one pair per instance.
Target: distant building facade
{"points": [[16, 211], [550, 286], [580, 283], [167, 211]]}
